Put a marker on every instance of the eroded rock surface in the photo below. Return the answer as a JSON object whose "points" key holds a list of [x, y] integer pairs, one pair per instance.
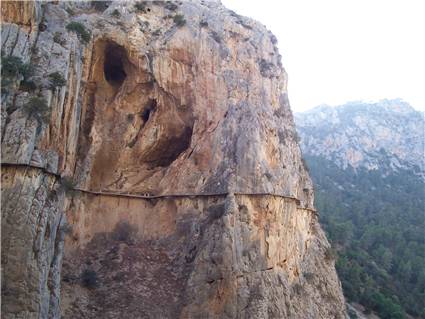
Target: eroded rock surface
{"points": [[164, 99]]}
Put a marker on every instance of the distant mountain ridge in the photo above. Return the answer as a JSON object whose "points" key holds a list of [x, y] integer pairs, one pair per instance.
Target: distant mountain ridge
{"points": [[366, 161], [388, 133]]}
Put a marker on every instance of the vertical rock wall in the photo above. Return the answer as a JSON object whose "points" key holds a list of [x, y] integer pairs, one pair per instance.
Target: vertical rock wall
{"points": [[34, 154], [168, 162]]}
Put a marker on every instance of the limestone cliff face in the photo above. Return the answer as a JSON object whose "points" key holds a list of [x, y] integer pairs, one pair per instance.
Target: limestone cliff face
{"points": [[167, 181]]}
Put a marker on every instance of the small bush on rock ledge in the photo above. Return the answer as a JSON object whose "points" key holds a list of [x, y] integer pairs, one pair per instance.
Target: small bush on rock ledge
{"points": [[179, 20], [56, 80], [12, 67], [116, 13], [100, 5], [170, 6], [140, 6], [80, 30], [37, 107]]}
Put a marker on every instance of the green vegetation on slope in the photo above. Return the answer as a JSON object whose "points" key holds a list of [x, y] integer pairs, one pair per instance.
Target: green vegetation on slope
{"points": [[376, 222]]}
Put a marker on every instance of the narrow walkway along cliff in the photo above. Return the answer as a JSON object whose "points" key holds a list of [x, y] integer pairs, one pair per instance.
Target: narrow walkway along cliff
{"points": [[150, 168]]}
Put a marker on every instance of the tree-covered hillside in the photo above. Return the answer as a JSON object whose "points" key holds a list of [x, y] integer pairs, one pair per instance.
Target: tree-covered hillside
{"points": [[367, 164], [375, 221]]}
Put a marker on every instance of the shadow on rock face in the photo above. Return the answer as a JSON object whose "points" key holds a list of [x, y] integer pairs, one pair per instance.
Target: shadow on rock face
{"points": [[120, 272]]}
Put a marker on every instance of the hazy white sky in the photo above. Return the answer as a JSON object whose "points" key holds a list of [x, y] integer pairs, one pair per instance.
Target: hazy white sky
{"points": [[342, 50]]}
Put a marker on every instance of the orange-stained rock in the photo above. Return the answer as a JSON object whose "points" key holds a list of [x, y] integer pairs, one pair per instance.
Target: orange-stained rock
{"points": [[154, 107], [23, 13]]}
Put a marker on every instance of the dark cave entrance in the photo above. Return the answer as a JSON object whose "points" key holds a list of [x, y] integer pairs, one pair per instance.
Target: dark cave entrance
{"points": [[150, 107], [113, 67]]}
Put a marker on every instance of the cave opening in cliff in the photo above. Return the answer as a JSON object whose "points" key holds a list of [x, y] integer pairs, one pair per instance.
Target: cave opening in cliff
{"points": [[175, 146], [150, 107], [113, 67]]}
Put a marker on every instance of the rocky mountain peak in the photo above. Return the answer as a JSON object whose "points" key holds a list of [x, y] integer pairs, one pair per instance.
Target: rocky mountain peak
{"points": [[365, 134]]}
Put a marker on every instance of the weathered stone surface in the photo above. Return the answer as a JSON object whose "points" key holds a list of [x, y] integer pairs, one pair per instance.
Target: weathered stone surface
{"points": [[32, 243], [156, 106]]}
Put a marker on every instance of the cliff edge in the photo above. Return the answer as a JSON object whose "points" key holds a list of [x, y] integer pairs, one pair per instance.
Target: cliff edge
{"points": [[150, 168]]}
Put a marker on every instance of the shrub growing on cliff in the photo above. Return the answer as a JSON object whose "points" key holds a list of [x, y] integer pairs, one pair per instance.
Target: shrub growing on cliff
{"points": [[56, 80], [100, 5], [80, 30], [140, 6], [27, 70], [12, 66], [156, 33], [116, 13], [170, 6], [37, 107], [89, 278], [5, 86], [179, 20]]}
